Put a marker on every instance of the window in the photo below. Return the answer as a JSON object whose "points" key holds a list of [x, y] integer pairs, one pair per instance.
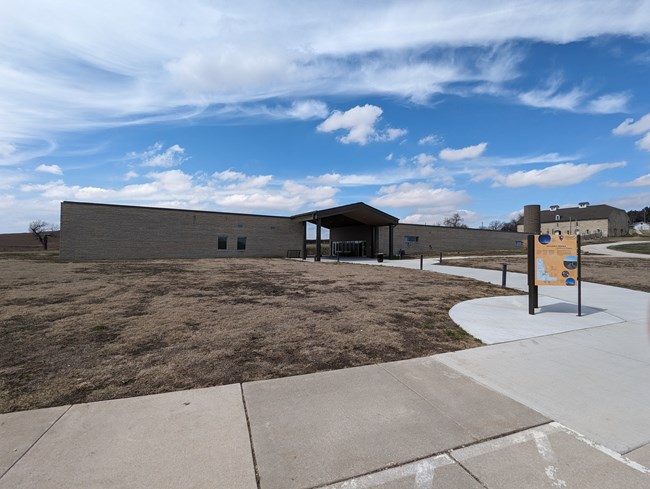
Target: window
{"points": [[557, 217], [222, 243], [241, 243], [411, 239]]}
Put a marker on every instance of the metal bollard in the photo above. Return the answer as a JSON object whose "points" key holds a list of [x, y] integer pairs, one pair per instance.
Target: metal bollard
{"points": [[504, 269], [421, 262], [441, 257]]}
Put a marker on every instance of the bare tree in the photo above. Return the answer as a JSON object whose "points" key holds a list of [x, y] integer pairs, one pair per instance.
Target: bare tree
{"points": [[454, 221], [496, 225], [512, 224], [42, 230]]}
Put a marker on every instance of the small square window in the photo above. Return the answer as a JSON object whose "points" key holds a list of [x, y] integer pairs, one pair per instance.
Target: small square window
{"points": [[222, 243], [241, 243]]}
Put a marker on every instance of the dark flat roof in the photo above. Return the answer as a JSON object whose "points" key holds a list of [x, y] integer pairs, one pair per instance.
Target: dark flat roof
{"points": [[348, 215]]}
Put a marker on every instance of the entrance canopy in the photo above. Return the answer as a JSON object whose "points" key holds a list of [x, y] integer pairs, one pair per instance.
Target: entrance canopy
{"points": [[348, 215], [361, 218]]}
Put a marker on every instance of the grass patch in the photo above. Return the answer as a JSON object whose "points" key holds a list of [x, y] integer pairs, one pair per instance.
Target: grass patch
{"points": [[643, 248], [81, 332]]}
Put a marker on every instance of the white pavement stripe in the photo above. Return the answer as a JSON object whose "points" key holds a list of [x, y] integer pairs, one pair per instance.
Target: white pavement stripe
{"points": [[615, 455], [423, 470]]}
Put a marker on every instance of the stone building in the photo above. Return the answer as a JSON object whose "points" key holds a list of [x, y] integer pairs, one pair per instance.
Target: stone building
{"points": [[590, 221]]}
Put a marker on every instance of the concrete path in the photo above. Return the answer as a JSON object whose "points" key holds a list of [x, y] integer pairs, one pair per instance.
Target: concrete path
{"points": [[604, 249], [565, 407]]}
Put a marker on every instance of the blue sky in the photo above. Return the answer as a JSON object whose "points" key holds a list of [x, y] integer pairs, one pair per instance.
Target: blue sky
{"points": [[422, 108]]}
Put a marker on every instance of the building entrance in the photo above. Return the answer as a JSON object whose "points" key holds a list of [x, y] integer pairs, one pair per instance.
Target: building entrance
{"points": [[348, 248]]}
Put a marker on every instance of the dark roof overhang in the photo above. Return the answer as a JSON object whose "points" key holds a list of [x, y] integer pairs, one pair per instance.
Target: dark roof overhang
{"points": [[348, 215]]}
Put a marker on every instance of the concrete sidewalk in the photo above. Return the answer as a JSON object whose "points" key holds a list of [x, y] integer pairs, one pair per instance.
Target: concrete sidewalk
{"points": [[557, 409]]}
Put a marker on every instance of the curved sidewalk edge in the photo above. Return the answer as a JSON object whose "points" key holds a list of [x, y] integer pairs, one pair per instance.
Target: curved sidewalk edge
{"points": [[501, 319]]}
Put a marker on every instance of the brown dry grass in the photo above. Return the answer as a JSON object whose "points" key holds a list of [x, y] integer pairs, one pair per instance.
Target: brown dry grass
{"points": [[77, 332], [630, 273]]}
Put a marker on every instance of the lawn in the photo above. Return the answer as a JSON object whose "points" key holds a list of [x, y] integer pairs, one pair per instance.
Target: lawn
{"points": [[78, 332], [631, 273], [633, 248]]}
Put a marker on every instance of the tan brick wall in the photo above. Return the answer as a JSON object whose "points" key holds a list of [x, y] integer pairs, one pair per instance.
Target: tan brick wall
{"points": [[98, 232], [434, 239]]}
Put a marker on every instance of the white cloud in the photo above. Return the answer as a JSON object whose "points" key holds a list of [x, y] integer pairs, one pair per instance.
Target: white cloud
{"points": [[7, 201], [433, 218], [552, 98], [469, 152], [631, 200], [644, 142], [170, 64], [642, 181], [227, 190], [6, 149], [131, 175], [424, 159], [431, 139], [229, 175], [308, 109], [564, 174], [389, 157], [419, 195], [359, 122], [609, 104], [172, 156], [53, 169], [10, 178], [630, 127], [575, 99]]}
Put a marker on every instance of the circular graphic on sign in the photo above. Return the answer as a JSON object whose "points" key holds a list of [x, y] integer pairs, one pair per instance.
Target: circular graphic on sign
{"points": [[570, 262], [565, 274], [544, 239], [570, 281]]}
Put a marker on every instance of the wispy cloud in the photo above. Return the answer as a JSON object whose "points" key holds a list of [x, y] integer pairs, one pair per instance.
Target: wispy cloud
{"points": [[419, 195], [574, 99], [466, 153], [56, 61], [642, 181], [630, 127], [564, 174], [431, 139], [155, 156]]}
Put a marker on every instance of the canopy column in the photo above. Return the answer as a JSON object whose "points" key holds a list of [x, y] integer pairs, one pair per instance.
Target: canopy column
{"points": [[318, 239]]}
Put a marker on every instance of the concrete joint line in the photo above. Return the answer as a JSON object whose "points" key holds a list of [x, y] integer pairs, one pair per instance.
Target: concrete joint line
{"points": [[428, 402], [462, 466], [36, 441], [250, 436]]}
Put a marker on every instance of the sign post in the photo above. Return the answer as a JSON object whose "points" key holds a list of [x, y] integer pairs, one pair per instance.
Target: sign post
{"points": [[554, 260]]}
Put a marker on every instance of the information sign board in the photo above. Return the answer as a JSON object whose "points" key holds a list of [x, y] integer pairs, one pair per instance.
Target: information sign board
{"points": [[556, 260]]}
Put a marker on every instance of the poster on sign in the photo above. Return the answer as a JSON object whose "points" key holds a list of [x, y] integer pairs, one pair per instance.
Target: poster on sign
{"points": [[556, 260]]}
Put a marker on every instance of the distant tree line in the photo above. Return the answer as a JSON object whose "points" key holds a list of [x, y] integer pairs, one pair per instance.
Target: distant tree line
{"points": [[456, 221], [639, 216]]}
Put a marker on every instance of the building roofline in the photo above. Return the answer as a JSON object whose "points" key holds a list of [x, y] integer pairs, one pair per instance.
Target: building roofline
{"points": [[332, 211], [174, 209]]}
